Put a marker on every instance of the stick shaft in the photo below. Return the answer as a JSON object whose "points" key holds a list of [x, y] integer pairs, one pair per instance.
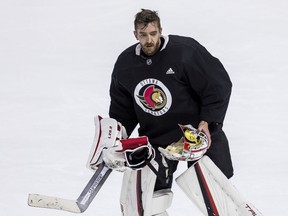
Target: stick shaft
{"points": [[82, 202]]}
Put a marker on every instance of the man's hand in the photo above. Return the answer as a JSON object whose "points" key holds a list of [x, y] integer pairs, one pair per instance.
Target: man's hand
{"points": [[203, 127]]}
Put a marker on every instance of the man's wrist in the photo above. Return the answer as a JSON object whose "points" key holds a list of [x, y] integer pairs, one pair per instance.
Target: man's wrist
{"points": [[203, 122]]}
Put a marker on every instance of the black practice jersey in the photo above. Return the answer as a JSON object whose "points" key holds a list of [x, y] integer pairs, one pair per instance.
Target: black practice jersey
{"points": [[181, 84]]}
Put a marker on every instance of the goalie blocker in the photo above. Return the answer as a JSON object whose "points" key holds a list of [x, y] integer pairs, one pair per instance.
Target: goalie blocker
{"points": [[111, 146]]}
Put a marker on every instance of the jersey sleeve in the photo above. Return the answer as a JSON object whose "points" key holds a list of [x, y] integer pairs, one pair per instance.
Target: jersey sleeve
{"points": [[121, 105], [209, 79]]}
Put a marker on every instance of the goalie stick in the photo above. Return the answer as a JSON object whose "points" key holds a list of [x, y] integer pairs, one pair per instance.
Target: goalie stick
{"points": [[82, 202]]}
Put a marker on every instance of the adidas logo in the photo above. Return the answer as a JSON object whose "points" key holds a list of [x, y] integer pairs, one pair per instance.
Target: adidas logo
{"points": [[170, 71]]}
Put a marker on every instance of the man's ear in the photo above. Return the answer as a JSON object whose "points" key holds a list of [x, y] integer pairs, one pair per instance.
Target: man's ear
{"points": [[160, 30], [135, 34]]}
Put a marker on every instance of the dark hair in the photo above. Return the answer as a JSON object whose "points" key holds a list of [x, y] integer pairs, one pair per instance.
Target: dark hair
{"points": [[145, 17]]}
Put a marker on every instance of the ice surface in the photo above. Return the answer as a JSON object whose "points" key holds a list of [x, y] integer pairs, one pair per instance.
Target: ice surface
{"points": [[56, 59]]}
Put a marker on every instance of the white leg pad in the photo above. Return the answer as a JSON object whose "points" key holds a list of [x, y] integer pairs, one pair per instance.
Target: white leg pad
{"points": [[162, 200], [128, 200], [137, 191], [212, 192], [138, 197]]}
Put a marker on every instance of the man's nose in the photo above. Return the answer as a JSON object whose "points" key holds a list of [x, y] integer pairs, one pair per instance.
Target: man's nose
{"points": [[149, 39]]}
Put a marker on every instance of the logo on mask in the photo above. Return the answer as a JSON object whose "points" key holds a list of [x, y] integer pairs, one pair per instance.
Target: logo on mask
{"points": [[153, 97]]}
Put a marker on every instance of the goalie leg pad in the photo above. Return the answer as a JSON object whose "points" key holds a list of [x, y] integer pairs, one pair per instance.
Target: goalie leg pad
{"points": [[162, 200], [137, 191], [212, 192], [128, 203], [137, 194]]}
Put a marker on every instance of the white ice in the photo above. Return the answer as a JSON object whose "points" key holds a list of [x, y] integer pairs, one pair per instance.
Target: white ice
{"points": [[56, 58]]}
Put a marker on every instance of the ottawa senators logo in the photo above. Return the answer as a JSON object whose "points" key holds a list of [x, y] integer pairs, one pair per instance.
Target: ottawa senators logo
{"points": [[153, 97]]}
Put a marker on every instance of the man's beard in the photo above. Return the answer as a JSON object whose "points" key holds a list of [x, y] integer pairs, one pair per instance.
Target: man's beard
{"points": [[151, 49]]}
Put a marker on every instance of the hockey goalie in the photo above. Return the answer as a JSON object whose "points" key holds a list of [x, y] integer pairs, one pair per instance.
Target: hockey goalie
{"points": [[148, 172]]}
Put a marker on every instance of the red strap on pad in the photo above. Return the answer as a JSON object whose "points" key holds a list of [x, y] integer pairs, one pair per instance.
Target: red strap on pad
{"points": [[133, 143]]}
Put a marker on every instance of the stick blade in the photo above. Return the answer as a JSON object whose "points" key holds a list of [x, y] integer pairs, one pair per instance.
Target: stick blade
{"points": [[41, 201]]}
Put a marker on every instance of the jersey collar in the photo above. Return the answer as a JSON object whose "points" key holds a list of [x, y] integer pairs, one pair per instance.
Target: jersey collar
{"points": [[138, 47]]}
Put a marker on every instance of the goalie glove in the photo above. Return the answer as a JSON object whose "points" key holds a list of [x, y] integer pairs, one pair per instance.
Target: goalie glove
{"points": [[192, 146], [133, 153], [107, 132]]}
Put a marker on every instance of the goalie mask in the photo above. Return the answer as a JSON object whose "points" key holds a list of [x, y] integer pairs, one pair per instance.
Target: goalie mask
{"points": [[192, 146], [195, 142]]}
